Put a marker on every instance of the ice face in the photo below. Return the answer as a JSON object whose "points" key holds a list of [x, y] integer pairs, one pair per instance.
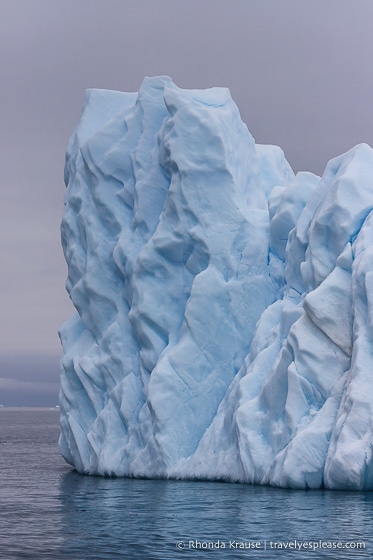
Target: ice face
{"points": [[224, 324]]}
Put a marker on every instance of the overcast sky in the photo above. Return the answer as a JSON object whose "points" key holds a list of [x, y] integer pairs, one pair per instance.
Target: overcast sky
{"points": [[300, 71]]}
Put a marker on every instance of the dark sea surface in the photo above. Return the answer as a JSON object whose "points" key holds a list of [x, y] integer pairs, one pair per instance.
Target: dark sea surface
{"points": [[49, 511]]}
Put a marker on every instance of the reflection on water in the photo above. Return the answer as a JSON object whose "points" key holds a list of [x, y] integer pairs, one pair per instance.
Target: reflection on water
{"points": [[50, 512], [127, 518]]}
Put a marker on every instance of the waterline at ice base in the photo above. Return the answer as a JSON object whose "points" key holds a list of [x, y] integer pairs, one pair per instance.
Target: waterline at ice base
{"points": [[224, 305]]}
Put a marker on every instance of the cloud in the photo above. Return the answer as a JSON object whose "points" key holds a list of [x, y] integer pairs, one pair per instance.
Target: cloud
{"points": [[31, 380], [27, 393], [31, 393]]}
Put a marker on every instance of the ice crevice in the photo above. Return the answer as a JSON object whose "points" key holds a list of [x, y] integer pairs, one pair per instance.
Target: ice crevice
{"points": [[224, 324]]}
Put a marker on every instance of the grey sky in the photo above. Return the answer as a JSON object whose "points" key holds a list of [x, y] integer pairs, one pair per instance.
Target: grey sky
{"points": [[300, 72]]}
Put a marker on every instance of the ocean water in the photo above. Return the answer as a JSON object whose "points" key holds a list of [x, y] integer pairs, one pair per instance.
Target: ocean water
{"points": [[48, 511]]}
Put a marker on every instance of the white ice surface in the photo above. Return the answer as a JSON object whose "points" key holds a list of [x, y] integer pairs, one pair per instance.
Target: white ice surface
{"points": [[224, 324]]}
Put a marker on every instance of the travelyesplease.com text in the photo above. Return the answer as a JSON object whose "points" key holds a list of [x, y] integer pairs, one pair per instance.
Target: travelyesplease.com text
{"points": [[270, 545]]}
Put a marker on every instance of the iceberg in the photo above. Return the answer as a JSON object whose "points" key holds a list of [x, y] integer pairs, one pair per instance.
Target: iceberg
{"points": [[224, 305]]}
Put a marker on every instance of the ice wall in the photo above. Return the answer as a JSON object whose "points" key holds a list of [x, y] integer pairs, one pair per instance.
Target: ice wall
{"points": [[224, 322]]}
